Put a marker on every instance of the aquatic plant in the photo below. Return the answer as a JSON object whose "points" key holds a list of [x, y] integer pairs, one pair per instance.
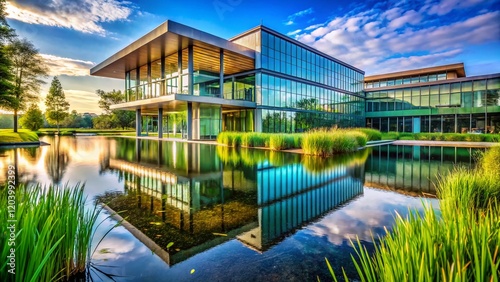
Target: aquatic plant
{"points": [[53, 232], [463, 244]]}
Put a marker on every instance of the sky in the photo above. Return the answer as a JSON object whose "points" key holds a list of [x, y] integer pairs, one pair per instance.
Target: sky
{"points": [[375, 36]]}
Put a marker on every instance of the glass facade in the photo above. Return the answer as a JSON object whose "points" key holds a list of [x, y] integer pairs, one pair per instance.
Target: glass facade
{"points": [[472, 105], [407, 80], [301, 89]]}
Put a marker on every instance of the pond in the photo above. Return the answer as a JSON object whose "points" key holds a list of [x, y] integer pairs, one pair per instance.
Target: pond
{"points": [[236, 214]]}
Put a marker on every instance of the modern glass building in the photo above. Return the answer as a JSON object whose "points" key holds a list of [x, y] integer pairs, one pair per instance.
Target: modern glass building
{"points": [[186, 83], [437, 99], [189, 84]]}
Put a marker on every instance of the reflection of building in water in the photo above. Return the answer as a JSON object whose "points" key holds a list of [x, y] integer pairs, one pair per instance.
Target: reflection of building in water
{"points": [[412, 168], [290, 197], [197, 193]]}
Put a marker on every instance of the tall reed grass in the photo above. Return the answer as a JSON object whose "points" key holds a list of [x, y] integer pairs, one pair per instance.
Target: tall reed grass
{"points": [[54, 232], [462, 244], [328, 142]]}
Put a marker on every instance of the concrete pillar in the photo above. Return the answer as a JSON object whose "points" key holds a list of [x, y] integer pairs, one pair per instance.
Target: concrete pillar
{"points": [[221, 74], [138, 122], [257, 120], [160, 123], [190, 70], [189, 121], [179, 71]]}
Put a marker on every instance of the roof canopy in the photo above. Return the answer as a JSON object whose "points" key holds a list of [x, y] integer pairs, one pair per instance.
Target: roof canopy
{"points": [[167, 39]]}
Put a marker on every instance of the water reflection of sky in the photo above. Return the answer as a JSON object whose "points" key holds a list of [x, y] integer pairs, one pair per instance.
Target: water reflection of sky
{"points": [[297, 257]]}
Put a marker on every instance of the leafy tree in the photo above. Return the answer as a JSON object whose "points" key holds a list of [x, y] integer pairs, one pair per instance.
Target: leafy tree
{"points": [[123, 119], [109, 98], [57, 106], [33, 118], [6, 86], [113, 118], [27, 69], [102, 122]]}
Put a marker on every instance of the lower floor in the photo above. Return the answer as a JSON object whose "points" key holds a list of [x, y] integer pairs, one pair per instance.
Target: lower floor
{"points": [[451, 123], [203, 121]]}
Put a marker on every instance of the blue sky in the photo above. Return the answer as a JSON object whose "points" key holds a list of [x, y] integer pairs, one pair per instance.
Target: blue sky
{"points": [[376, 36]]}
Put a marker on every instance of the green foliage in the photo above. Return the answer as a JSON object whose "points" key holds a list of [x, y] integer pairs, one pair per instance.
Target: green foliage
{"points": [[231, 139], [491, 162], [54, 232], [460, 245], [6, 121], [28, 69], [254, 139], [114, 118], [372, 134], [329, 142], [32, 118], [279, 142], [391, 135], [57, 106], [109, 98]]}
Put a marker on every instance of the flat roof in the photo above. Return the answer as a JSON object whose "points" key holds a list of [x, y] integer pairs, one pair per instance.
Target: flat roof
{"points": [[458, 68], [296, 42], [166, 39]]}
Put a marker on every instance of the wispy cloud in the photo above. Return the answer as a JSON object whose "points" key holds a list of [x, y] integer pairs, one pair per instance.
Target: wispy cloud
{"points": [[415, 36], [67, 66], [291, 33], [291, 18], [85, 16]]}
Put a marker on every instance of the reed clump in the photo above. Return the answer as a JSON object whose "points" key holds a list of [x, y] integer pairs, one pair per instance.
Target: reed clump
{"points": [[462, 244], [324, 142], [54, 232]]}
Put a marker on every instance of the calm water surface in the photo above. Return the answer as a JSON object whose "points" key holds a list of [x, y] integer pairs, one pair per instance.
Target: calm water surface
{"points": [[238, 215]]}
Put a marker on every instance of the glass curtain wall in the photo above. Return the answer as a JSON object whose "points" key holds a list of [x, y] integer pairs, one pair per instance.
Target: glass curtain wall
{"points": [[462, 107]]}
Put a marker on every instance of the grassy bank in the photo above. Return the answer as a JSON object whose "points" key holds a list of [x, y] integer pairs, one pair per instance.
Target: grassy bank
{"points": [[71, 131], [321, 142], [52, 232], [441, 136], [463, 244], [8, 136]]}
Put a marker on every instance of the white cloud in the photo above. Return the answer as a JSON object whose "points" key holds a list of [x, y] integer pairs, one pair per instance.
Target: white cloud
{"points": [[446, 6], [66, 66], [314, 26], [378, 40], [294, 32], [82, 15], [292, 17]]}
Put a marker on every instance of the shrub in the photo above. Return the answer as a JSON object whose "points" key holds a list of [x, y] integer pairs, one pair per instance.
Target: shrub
{"points": [[491, 162], [474, 137], [391, 135], [371, 134]]}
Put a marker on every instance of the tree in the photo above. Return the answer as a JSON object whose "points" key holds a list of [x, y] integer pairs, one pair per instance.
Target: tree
{"points": [[108, 99], [123, 119], [57, 106], [113, 118], [32, 118], [6, 86], [27, 68]]}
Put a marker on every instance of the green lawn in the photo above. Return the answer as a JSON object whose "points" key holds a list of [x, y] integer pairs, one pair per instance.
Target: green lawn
{"points": [[70, 131], [23, 135]]}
